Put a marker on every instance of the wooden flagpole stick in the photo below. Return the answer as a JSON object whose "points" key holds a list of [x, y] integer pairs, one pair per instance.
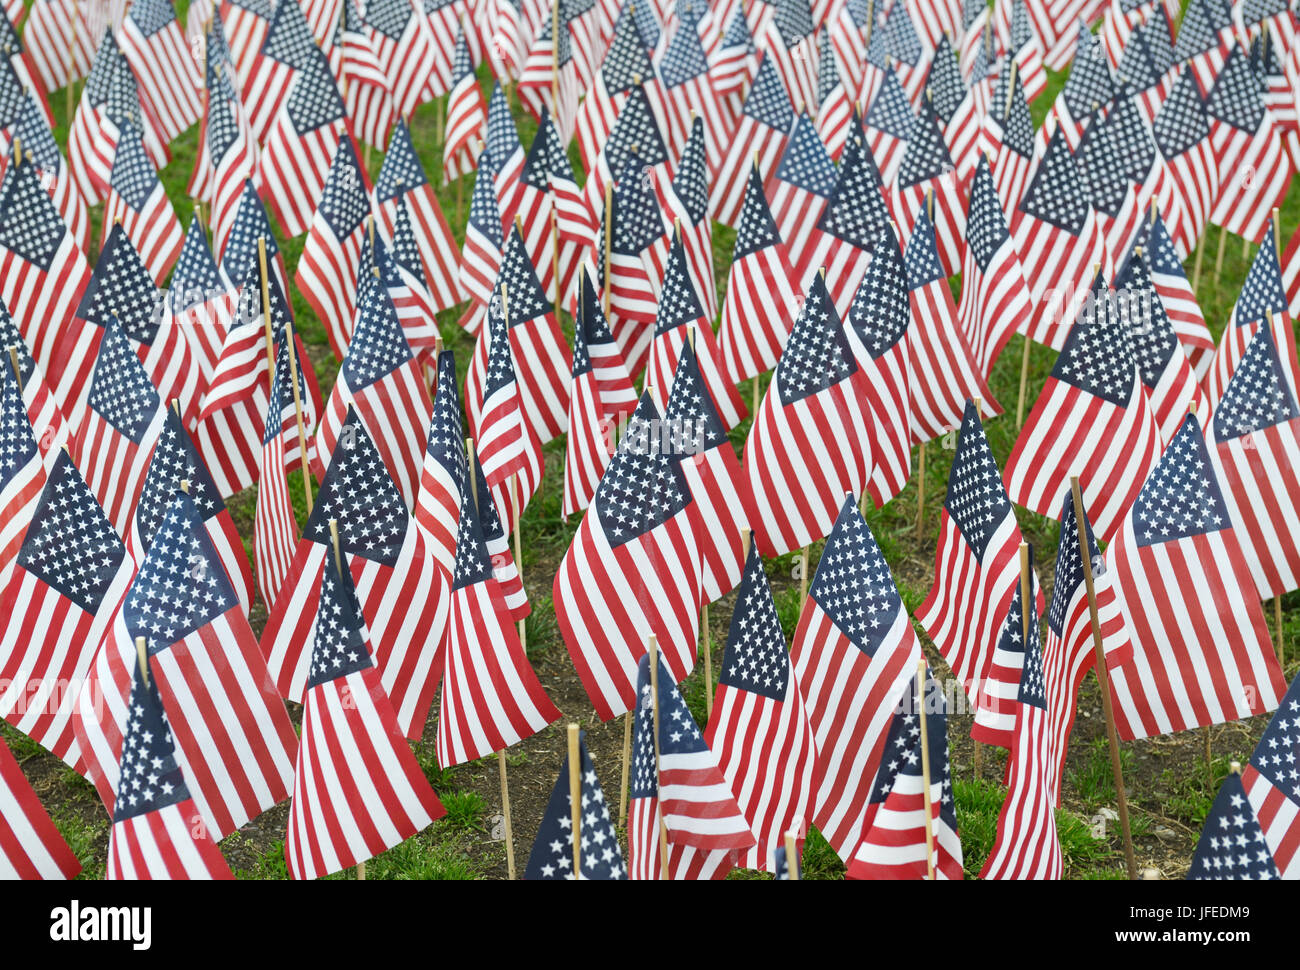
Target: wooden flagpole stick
{"points": [[266, 315], [609, 232], [654, 701], [142, 655], [555, 253], [704, 607], [338, 564], [1196, 267], [13, 362], [627, 757], [1245, 248], [1024, 382], [920, 487], [925, 768], [297, 410], [791, 856], [575, 799], [555, 57], [517, 513], [1103, 678], [1006, 110], [803, 576], [1223, 245]]}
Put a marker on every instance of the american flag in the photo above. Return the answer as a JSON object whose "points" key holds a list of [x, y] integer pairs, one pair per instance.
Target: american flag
{"points": [[1204, 36], [175, 462], [956, 108], [1092, 419], [599, 855], [246, 24], [405, 49], [155, 46], [302, 143], [285, 49], [1027, 845], [233, 736], [1254, 442], [574, 224], [238, 251], [1070, 651], [759, 729], [350, 807], [124, 415], [1176, 294], [43, 275], [893, 841], [994, 700], [686, 202], [760, 138], [30, 844], [59, 42], [994, 294], [536, 218], [48, 423], [33, 131], [22, 472], [887, 124], [1060, 244], [480, 258], [637, 139], [854, 653], [1007, 137], [903, 49], [976, 569], [1262, 297], [1188, 181], [676, 783], [1201, 650], [927, 179], [122, 289], [943, 365], [1023, 47], [1119, 161], [200, 301], [835, 105], [400, 585], [600, 396], [1089, 85], [799, 190], [71, 570], [549, 82], [362, 79], [1234, 843], [638, 535], [1163, 368], [491, 698], [734, 59], [878, 324], [761, 300], [402, 272], [158, 831], [809, 444], [505, 152], [1144, 66], [223, 127], [466, 114], [790, 41], [331, 255], [1270, 783], [691, 98], [138, 203], [443, 474], [402, 182], [497, 538], [626, 59]]}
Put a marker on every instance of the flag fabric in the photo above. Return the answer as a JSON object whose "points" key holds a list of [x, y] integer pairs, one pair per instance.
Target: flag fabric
{"points": [[497, 537], [22, 470], [1188, 180], [1176, 294], [48, 424], [809, 444], [491, 698], [927, 181], [155, 46], [237, 251], [357, 788], [1201, 649], [59, 42], [138, 203], [1008, 139], [233, 736], [976, 569], [1204, 38], [480, 258], [893, 841], [626, 59], [124, 415], [686, 202], [401, 271], [246, 24], [574, 223], [399, 584], [466, 115], [275, 528], [158, 831], [331, 255], [286, 49], [676, 783], [1093, 419], [37, 140], [835, 106], [1027, 846], [444, 474], [994, 700], [799, 189], [30, 844], [404, 48], [759, 728], [72, 571], [1270, 784], [854, 653], [1254, 444], [200, 301], [691, 100], [994, 293], [887, 124], [601, 395], [599, 855], [766, 121], [761, 301], [640, 533], [363, 81], [383, 382], [1234, 844]]}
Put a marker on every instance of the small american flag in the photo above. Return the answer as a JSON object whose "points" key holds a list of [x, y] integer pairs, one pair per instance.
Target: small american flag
{"points": [[734, 60], [1234, 843], [1186, 591], [887, 124], [443, 474], [1271, 785], [1176, 294], [854, 654], [893, 844], [1007, 137], [599, 855], [1023, 47], [995, 705], [687, 202], [761, 297], [835, 107], [927, 180], [404, 48], [505, 152], [952, 99], [1188, 183], [574, 222], [1205, 36], [285, 48], [158, 831], [799, 189], [994, 294], [636, 138], [138, 203], [246, 23], [200, 301], [638, 536], [156, 48], [691, 98], [552, 59], [759, 728], [58, 41], [627, 58], [1093, 419], [765, 123], [367, 92], [491, 698], [34, 132], [1089, 84], [1254, 442], [30, 844], [680, 787], [400, 585], [480, 258], [976, 568], [789, 39], [22, 472], [331, 255], [48, 424], [1117, 175], [466, 114], [238, 251], [374, 797], [809, 444], [497, 538]]}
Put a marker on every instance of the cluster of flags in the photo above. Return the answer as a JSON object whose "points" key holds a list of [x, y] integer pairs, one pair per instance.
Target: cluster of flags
{"points": [[865, 154]]}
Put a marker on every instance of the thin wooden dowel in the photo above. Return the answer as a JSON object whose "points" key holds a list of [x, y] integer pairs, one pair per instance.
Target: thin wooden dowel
{"points": [[920, 488], [628, 718], [654, 702], [17, 369], [1245, 248], [575, 798], [338, 564], [555, 255], [757, 400], [803, 576], [792, 857], [1196, 267], [298, 413], [1205, 736], [142, 655], [505, 811], [518, 513], [609, 233], [925, 768], [266, 318], [1024, 383], [1103, 679]]}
